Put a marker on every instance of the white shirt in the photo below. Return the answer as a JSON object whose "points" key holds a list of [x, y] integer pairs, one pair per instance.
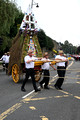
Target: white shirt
{"points": [[31, 64], [46, 65], [62, 58], [7, 59], [3, 58]]}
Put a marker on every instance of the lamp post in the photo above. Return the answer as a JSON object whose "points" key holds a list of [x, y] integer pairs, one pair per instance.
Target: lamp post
{"points": [[33, 3]]}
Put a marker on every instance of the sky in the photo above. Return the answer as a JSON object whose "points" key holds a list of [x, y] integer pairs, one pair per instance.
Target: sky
{"points": [[60, 19]]}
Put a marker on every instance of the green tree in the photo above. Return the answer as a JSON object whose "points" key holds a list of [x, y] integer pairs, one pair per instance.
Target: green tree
{"points": [[44, 40], [68, 47], [49, 44], [9, 14], [14, 27], [78, 49]]}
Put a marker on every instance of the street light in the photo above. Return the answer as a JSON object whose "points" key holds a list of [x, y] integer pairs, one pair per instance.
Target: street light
{"points": [[37, 5], [33, 3]]}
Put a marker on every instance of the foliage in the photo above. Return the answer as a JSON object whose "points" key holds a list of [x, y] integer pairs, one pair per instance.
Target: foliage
{"points": [[44, 40], [49, 44], [13, 27], [8, 12], [78, 50], [68, 47], [9, 15]]}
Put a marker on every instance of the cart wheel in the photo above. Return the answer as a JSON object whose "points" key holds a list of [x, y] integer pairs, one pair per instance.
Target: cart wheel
{"points": [[15, 73], [37, 76]]}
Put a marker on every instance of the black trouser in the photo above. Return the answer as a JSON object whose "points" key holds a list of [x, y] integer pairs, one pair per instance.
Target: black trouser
{"points": [[45, 78], [61, 73], [30, 72], [3, 64], [6, 67]]}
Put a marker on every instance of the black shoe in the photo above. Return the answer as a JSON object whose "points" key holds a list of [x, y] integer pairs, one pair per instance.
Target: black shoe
{"points": [[46, 87], [60, 88], [36, 90], [56, 87], [22, 89], [41, 85]]}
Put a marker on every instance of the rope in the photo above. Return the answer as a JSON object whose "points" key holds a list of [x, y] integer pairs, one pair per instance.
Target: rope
{"points": [[72, 70], [57, 77]]}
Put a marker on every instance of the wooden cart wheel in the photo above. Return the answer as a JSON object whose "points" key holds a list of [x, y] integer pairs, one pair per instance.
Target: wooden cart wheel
{"points": [[15, 73], [37, 76]]}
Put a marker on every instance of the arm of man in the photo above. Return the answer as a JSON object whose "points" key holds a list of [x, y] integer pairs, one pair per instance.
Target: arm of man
{"points": [[68, 62], [39, 58], [52, 66], [61, 60], [58, 59], [33, 59], [28, 61]]}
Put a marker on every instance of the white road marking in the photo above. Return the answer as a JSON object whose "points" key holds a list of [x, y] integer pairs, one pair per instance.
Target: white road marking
{"points": [[28, 94]]}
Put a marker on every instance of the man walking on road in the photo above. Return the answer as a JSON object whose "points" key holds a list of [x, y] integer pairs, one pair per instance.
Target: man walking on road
{"points": [[60, 70], [29, 65], [45, 70], [7, 61], [3, 58]]}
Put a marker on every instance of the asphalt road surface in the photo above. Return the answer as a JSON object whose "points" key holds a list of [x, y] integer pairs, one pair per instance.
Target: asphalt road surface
{"points": [[49, 104]]}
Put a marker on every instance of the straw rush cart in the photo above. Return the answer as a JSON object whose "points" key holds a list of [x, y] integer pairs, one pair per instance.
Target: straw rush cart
{"points": [[25, 40]]}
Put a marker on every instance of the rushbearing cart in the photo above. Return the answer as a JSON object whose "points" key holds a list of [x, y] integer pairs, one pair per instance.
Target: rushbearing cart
{"points": [[26, 39]]}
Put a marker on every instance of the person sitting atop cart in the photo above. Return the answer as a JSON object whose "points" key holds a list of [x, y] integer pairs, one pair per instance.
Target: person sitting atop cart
{"points": [[29, 65]]}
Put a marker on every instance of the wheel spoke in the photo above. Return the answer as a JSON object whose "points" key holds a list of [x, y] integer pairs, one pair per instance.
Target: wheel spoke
{"points": [[15, 73]]}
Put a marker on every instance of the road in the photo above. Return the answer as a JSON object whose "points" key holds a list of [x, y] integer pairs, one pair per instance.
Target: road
{"points": [[49, 104]]}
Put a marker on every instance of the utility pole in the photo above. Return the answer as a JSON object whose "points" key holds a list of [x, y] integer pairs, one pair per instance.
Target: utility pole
{"points": [[32, 4]]}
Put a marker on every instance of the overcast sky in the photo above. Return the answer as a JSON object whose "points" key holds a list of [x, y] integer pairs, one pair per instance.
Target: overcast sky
{"points": [[60, 19]]}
